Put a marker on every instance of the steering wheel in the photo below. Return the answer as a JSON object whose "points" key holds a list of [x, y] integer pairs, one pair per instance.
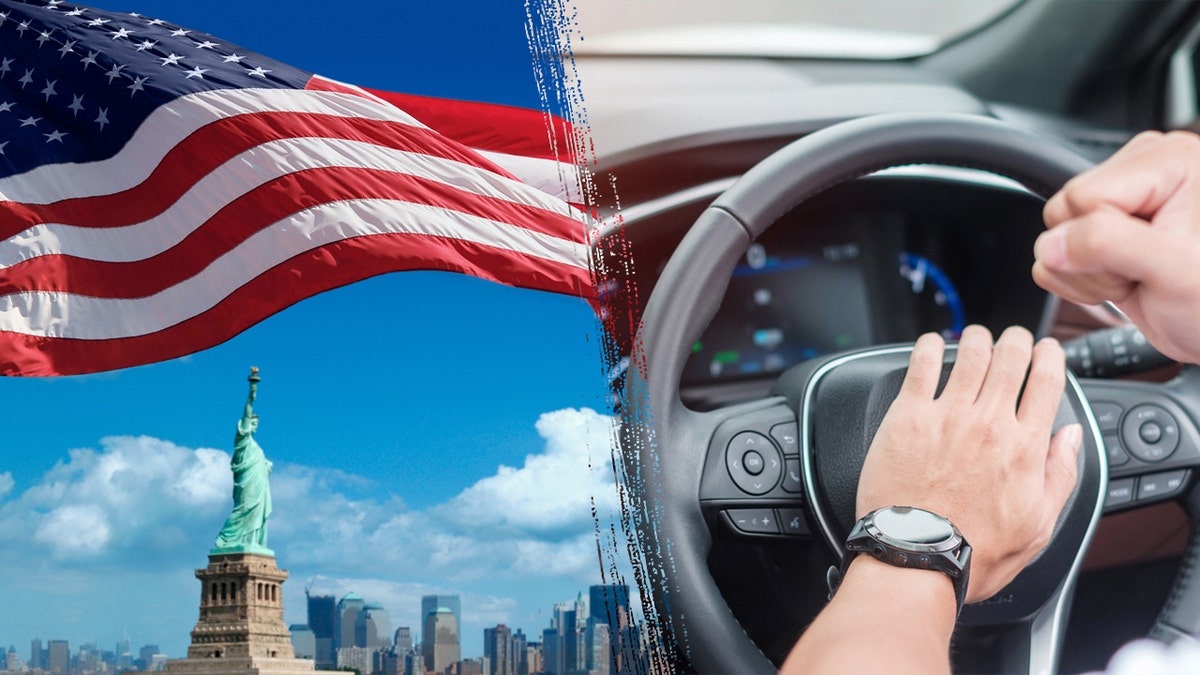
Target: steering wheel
{"points": [[691, 474]]}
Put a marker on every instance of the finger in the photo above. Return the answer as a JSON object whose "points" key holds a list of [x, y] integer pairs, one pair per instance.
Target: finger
{"points": [[1044, 388], [1106, 242], [1062, 467], [1137, 180], [1010, 362], [924, 368], [970, 364], [1085, 289]]}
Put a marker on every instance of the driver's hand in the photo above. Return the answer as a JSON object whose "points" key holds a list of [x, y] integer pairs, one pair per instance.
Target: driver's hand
{"points": [[1128, 231], [973, 454]]}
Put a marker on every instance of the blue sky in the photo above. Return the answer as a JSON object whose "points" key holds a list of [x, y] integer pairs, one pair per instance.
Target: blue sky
{"points": [[431, 432]]}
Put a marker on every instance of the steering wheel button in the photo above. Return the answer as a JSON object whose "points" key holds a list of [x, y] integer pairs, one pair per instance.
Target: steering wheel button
{"points": [[753, 462], [788, 437], [1116, 455], [792, 481], [753, 521], [1119, 492], [794, 522], [1149, 433], [1108, 415], [1161, 485]]}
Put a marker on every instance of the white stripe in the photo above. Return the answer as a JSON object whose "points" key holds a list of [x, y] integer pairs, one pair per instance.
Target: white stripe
{"points": [[66, 315], [548, 175], [247, 171], [169, 125]]}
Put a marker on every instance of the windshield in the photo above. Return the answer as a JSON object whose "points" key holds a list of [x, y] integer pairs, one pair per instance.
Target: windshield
{"points": [[865, 29]]}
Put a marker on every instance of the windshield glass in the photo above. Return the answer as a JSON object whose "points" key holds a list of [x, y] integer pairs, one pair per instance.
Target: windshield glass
{"points": [[869, 29]]}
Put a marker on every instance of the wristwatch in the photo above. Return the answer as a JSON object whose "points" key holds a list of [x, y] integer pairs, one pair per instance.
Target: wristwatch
{"points": [[909, 537]]}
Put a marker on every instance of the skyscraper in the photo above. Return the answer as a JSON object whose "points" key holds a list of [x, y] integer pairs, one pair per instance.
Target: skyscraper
{"points": [[60, 657], [431, 603], [609, 604], [348, 625], [35, 654], [498, 648], [520, 646], [403, 641], [439, 640], [376, 627], [322, 620]]}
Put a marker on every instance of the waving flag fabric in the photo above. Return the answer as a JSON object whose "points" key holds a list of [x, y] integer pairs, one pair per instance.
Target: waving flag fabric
{"points": [[162, 190]]}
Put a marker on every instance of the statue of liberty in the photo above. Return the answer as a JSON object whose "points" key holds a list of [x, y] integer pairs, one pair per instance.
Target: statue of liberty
{"points": [[246, 528]]}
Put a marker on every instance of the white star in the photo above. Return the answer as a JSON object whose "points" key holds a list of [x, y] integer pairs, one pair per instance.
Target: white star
{"points": [[27, 78], [3, 17], [171, 60], [22, 27], [90, 60], [2, 147], [43, 36], [78, 11], [55, 136], [5, 107], [95, 23], [76, 104], [196, 72], [30, 121], [179, 32], [53, 4], [258, 71], [114, 73], [207, 44], [5, 66], [233, 58], [49, 90], [155, 22], [137, 85], [67, 48], [135, 14], [120, 33], [147, 44], [103, 118]]}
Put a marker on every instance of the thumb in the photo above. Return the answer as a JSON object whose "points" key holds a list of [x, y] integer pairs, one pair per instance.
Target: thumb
{"points": [[1104, 242]]}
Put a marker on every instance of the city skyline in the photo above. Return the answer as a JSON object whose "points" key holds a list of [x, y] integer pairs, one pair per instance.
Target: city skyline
{"points": [[431, 433]]}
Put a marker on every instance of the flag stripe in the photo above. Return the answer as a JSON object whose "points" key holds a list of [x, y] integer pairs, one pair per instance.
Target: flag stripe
{"points": [[261, 165], [217, 144], [69, 315], [303, 276], [83, 261]]}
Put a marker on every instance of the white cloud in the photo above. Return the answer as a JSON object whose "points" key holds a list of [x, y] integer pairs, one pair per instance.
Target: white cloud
{"points": [[6, 483]]}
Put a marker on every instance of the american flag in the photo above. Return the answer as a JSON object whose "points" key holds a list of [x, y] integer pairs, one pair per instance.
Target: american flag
{"points": [[162, 190]]}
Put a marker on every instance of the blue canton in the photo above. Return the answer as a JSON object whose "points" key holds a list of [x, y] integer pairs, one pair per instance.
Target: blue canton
{"points": [[76, 82]]}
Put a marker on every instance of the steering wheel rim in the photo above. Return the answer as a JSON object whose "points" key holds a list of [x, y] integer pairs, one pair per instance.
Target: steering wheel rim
{"points": [[665, 441]]}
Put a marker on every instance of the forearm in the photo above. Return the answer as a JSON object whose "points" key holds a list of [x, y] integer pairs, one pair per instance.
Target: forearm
{"points": [[883, 619]]}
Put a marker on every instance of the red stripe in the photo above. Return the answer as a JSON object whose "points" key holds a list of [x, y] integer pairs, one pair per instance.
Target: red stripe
{"points": [[255, 210], [301, 277], [490, 126], [212, 145]]}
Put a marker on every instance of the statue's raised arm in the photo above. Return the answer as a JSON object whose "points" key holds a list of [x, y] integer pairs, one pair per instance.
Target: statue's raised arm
{"points": [[246, 528]]}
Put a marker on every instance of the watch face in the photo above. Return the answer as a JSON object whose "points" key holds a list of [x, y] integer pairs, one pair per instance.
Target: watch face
{"points": [[913, 525]]}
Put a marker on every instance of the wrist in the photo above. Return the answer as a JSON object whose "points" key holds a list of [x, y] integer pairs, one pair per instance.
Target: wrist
{"points": [[905, 591]]}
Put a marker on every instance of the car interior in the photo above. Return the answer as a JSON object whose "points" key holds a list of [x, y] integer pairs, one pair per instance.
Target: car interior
{"points": [[779, 229]]}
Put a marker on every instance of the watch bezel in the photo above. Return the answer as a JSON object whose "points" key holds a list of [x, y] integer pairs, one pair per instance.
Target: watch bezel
{"points": [[950, 543]]}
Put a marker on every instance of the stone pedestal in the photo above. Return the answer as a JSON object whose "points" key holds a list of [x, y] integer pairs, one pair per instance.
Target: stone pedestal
{"points": [[241, 628]]}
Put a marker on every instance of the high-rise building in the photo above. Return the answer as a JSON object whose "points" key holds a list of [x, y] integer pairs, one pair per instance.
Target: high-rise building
{"points": [[439, 640], [498, 648], [60, 657], [348, 625], [146, 656], [304, 643], [431, 603], [376, 627], [609, 604], [123, 655], [403, 641], [35, 654], [520, 654], [12, 662], [553, 661], [322, 620]]}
